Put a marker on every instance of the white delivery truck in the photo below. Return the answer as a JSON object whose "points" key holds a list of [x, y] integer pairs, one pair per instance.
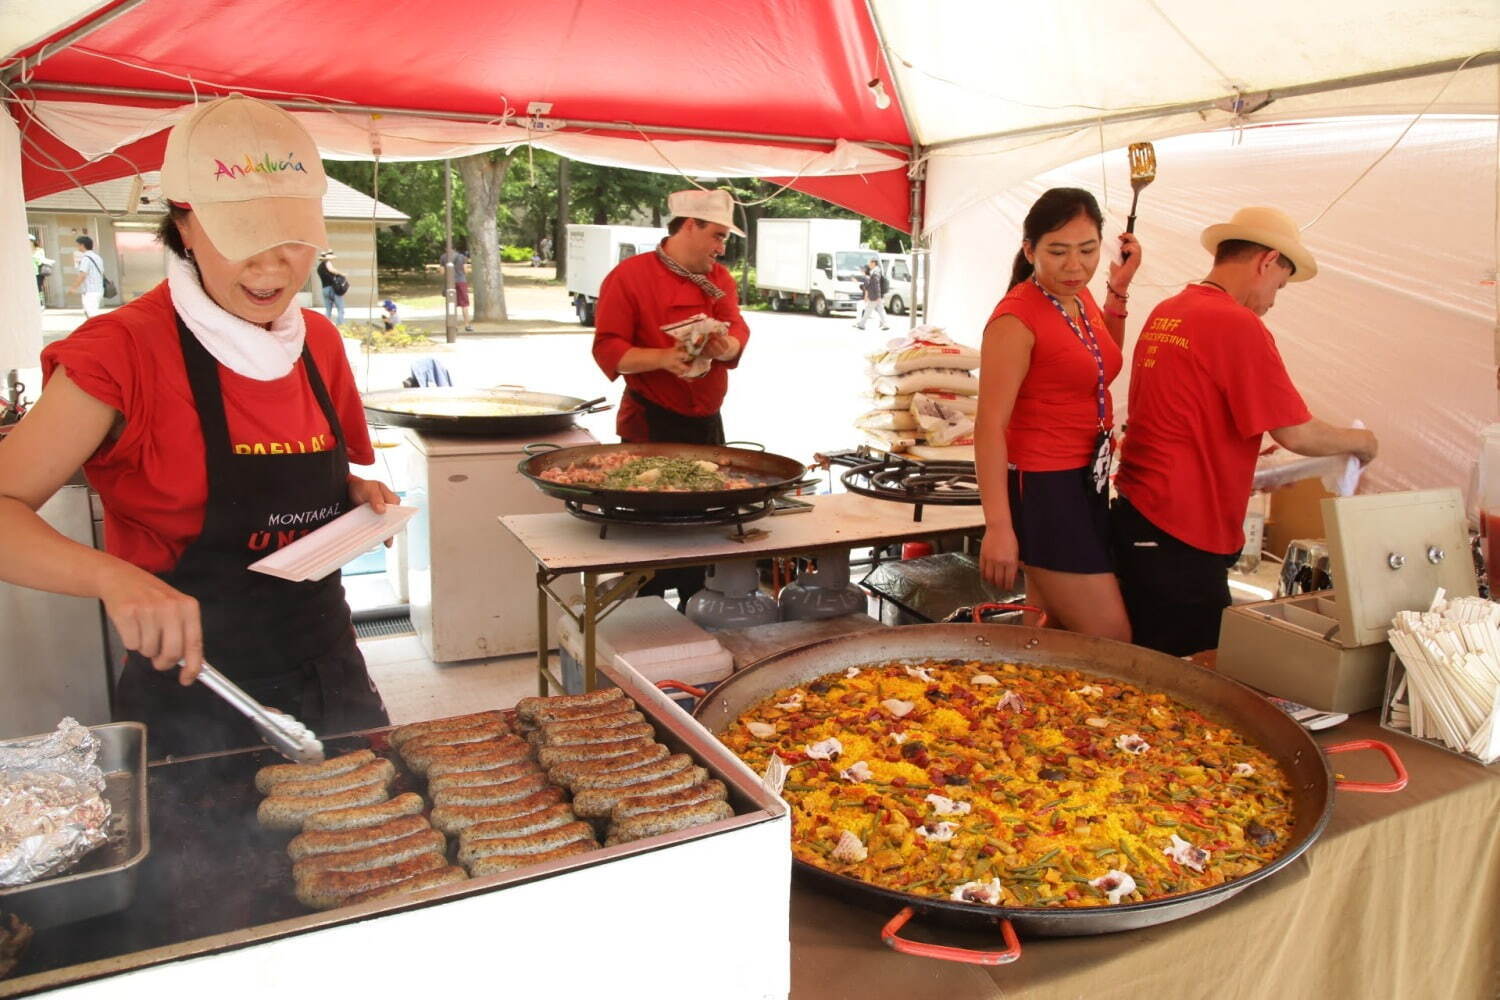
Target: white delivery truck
{"points": [[810, 264], [897, 268], [593, 252]]}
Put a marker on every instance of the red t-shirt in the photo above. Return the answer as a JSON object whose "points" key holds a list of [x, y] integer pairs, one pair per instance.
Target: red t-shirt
{"points": [[1055, 422], [1206, 383], [152, 479], [637, 299]]}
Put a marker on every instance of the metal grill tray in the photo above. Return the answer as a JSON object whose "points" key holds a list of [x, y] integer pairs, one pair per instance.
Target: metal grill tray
{"points": [[105, 880], [220, 881]]}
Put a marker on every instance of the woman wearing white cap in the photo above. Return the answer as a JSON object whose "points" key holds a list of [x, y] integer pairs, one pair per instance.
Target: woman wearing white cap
{"points": [[217, 421]]}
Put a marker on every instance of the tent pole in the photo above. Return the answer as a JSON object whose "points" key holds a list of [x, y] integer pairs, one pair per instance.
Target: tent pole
{"points": [[547, 124], [918, 175], [1219, 104], [449, 333]]}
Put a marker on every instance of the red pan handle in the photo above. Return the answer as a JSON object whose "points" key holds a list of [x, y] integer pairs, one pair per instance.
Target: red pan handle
{"points": [[1371, 786], [685, 688], [981, 609], [946, 952]]}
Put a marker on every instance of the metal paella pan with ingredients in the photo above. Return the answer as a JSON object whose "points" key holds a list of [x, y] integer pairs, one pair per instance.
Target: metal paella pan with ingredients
{"points": [[1059, 782]]}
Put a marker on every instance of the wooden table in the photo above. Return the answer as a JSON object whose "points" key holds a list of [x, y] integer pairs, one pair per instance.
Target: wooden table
{"points": [[562, 545]]}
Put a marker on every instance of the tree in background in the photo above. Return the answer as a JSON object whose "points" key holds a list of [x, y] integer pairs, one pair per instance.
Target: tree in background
{"points": [[484, 187]]}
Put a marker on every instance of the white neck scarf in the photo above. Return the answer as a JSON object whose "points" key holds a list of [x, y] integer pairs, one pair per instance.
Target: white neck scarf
{"points": [[239, 345]]}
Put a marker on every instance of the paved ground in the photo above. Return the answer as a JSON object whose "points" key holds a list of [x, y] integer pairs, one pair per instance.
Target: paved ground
{"points": [[797, 390]]}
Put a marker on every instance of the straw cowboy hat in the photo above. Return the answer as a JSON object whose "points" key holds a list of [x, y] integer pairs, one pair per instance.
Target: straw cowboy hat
{"points": [[1270, 227], [709, 206]]}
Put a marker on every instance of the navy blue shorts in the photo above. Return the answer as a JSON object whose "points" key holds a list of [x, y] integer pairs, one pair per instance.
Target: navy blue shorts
{"points": [[1061, 521]]}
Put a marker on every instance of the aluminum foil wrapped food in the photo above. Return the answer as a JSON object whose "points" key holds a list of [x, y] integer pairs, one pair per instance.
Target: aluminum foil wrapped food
{"points": [[52, 805]]}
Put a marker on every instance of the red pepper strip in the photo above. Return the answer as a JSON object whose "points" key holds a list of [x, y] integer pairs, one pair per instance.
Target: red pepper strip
{"points": [[1192, 814]]}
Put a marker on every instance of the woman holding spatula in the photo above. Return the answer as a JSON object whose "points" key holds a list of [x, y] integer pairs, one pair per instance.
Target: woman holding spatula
{"points": [[1045, 417]]}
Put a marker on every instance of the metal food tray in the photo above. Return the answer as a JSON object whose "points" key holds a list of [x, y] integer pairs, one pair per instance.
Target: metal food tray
{"points": [[219, 882], [104, 880]]}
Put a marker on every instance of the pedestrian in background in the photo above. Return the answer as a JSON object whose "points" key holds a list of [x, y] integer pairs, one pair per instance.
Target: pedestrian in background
{"points": [[335, 284], [90, 281], [42, 265], [460, 262], [873, 284]]}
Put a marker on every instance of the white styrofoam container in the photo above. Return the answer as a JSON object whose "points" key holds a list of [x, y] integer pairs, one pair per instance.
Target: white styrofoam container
{"points": [[647, 636]]}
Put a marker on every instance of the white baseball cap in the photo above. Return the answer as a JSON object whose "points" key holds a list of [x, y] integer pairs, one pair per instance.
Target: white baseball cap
{"points": [[710, 206], [251, 174]]}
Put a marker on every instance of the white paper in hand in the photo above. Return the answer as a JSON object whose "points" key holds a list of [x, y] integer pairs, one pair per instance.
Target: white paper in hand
{"points": [[346, 537]]}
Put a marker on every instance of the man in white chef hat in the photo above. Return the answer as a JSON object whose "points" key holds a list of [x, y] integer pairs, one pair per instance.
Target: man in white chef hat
{"points": [[1206, 383], [672, 391]]}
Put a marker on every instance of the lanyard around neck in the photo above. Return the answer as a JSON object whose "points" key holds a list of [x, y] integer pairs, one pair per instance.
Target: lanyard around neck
{"points": [[1090, 343]]}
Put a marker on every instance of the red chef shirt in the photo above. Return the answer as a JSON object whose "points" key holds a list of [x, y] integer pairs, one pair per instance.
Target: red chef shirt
{"points": [[1207, 381], [152, 479], [1054, 424], [637, 299]]}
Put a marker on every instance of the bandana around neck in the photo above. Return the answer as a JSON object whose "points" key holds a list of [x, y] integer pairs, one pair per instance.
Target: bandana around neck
{"points": [[712, 290], [239, 345]]}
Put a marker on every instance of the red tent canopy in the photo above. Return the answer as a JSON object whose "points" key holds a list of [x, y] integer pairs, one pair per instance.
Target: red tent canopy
{"points": [[790, 73]]}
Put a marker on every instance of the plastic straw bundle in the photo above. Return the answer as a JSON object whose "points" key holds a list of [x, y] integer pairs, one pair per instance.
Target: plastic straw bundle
{"points": [[1451, 692]]}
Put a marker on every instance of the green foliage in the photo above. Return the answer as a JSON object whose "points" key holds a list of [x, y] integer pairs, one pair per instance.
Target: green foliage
{"points": [[515, 255], [374, 337]]}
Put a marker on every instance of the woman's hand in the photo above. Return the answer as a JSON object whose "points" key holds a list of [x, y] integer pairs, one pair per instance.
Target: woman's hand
{"points": [[373, 492], [1000, 556], [153, 619], [1121, 274]]}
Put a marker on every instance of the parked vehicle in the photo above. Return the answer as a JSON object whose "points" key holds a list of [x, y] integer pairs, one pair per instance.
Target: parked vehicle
{"points": [[593, 251], [898, 292], [810, 264]]}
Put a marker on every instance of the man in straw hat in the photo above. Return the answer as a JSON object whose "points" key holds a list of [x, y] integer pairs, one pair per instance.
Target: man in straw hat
{"points": [[1206, 383]]}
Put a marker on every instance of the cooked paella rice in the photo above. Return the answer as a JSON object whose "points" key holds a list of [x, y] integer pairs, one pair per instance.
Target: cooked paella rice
{"points": [[1015, 785]]}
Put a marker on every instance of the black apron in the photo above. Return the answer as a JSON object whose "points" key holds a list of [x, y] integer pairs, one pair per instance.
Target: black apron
{"points": [[665, 426], [291, 646]]}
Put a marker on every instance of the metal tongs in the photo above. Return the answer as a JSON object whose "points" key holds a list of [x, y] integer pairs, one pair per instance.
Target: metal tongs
{"points": [[285, 734]]}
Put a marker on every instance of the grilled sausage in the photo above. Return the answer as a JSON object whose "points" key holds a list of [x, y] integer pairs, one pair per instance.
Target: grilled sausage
{"points": [[552, 756], [565, 772], [378, 769], [574, 738], [268, 777], [527, 708], [359, 817], [491, 795], [325, 890], [651, 824], [614, 720], [375, 856], [490, 776], [577, 713], [542, 819], [289, 812], [427, 880], [530, 843], [315, 842], [594, 803], [475, 755], [478, 756], [401, 734], [457, 737], [452, 819], [510, 862], [637, 804], [633, 775]]}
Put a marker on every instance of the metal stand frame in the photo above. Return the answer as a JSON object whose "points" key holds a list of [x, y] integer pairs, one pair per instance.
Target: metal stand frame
{"points": [[596, 608]]}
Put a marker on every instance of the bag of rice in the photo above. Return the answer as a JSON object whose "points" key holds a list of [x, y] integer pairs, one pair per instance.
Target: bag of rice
{"points": [[880, 402], [941, 424], [952, 400], [932, 453], [926, 347], [887, 420], [892, 441], [927, 379]]}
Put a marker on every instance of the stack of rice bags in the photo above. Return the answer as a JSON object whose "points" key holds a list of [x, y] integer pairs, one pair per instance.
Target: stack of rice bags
{"points": [[926, 391]]}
